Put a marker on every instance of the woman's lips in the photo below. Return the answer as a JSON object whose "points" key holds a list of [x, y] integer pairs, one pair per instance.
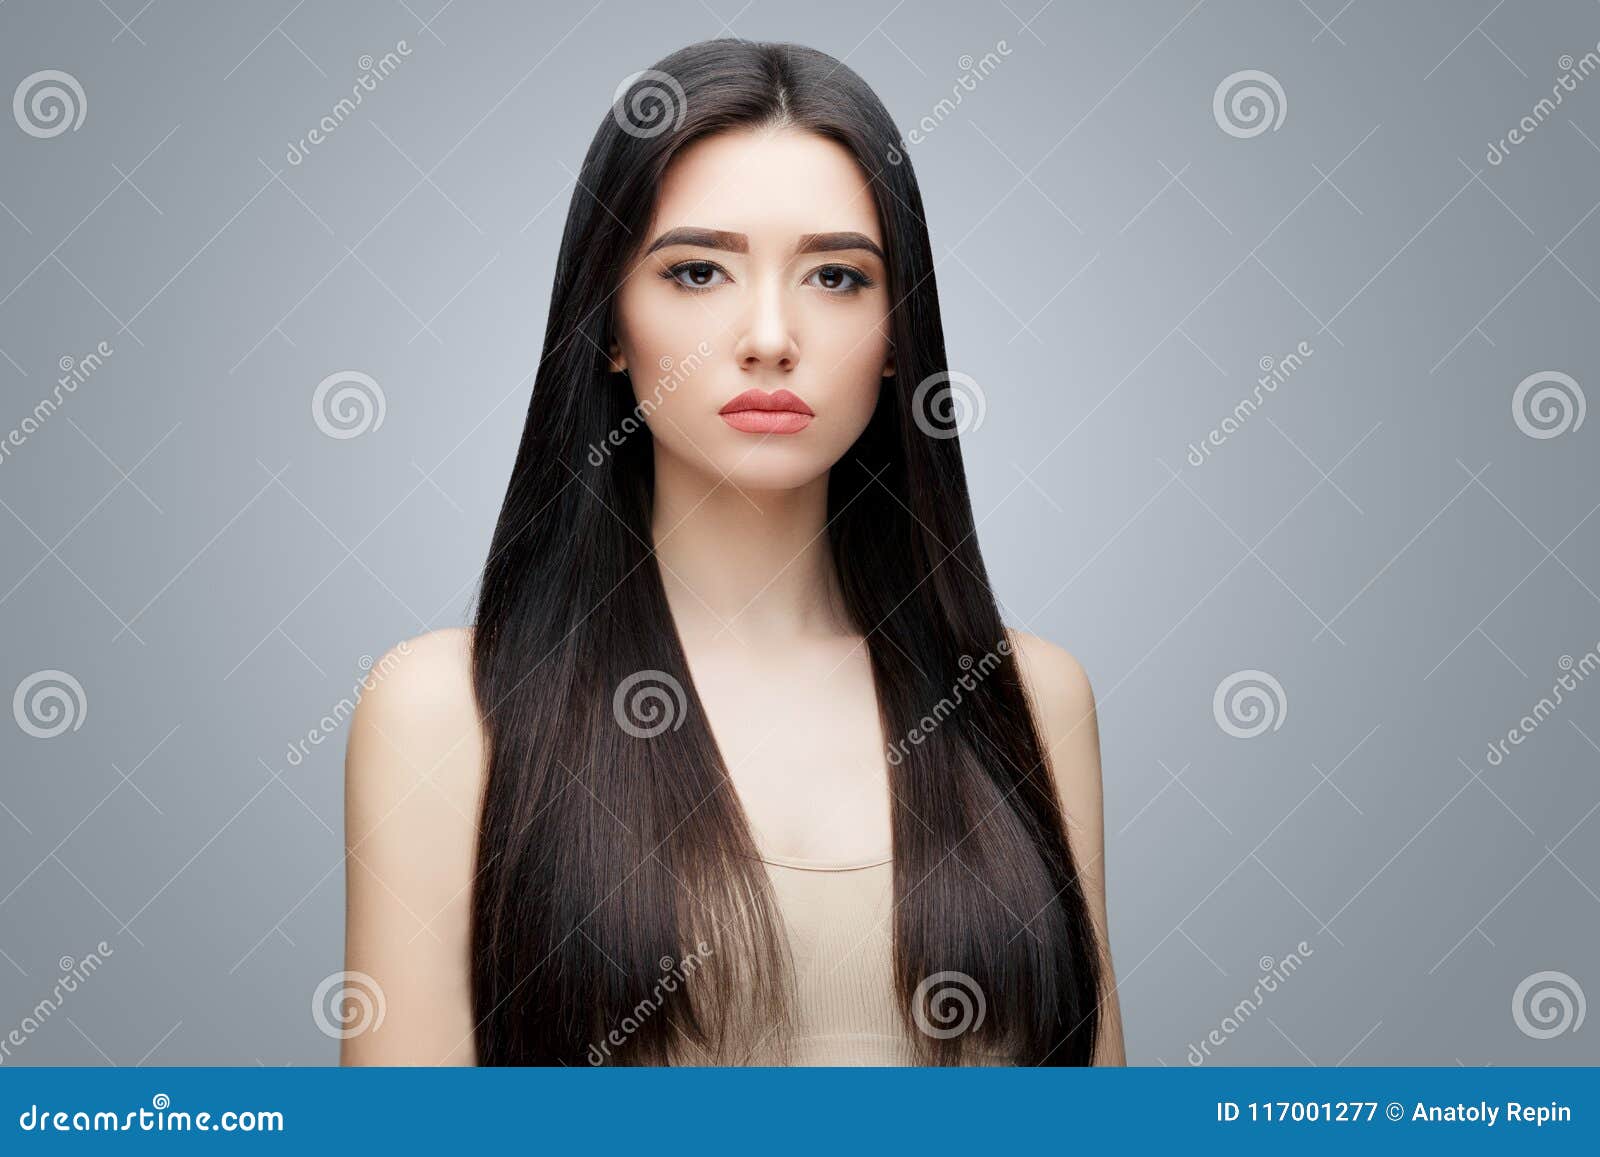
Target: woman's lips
{"points": [[767, 421], [758, 412]]}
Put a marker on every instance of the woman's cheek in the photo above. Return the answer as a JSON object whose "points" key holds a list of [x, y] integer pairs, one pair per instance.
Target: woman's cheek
{"points": [[858, 365]]}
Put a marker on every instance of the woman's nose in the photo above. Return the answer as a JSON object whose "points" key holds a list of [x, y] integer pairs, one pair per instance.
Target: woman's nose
{"points": [[768, 338]]}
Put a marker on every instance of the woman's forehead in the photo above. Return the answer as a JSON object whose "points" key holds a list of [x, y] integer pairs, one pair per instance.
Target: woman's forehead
{"points": [[770, 185]]}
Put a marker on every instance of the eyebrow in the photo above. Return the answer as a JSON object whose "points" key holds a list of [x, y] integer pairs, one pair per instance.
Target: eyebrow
{"points": [[739, 243]]}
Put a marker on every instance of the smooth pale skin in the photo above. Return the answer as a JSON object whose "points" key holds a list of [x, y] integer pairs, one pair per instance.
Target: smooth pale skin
{"points": [[739, 534]]}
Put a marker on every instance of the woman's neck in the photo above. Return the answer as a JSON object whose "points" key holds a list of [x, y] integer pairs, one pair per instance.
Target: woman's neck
{"points": [[745, 566]]}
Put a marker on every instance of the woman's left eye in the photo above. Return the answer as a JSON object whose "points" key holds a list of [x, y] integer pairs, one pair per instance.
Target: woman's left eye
{"points": [[839, 279]]}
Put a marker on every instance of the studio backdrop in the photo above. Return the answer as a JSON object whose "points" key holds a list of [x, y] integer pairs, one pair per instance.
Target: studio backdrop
{"points": [[1274, 330]]}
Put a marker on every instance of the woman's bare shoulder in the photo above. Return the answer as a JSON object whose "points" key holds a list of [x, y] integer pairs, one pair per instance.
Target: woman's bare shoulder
{"points": [[1058, 684], [1064, 705], [417, 710], [414, 773], [432, 670]]}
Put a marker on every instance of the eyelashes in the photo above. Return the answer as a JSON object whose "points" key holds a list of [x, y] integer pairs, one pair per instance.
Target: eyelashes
{"points": [[854, 279], [858, 279], [677, 273]]}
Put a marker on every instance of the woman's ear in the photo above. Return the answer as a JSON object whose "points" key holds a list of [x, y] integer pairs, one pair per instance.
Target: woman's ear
{"points": [[619, 363], [888, 365]]}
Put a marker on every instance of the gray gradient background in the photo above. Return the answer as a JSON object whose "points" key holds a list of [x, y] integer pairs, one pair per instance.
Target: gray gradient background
{"points": [[1380, 536]]}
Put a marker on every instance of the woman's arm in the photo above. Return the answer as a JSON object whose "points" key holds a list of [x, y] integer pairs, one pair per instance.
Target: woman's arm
{"points": [[413, 778], [1064, 703]]}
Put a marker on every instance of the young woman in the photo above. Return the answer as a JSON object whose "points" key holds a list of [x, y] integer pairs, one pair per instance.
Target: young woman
{"points": [[738, 764]]}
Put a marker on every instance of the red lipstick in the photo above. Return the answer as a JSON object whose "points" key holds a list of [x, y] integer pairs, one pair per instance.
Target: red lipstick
{"points": [[758, 412]]}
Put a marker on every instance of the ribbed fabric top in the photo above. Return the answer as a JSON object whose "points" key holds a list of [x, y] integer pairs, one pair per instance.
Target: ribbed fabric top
{"points": [[839, 919]]}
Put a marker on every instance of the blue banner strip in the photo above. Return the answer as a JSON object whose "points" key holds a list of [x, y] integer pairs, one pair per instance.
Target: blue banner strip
{"points": [[806, 1110]]}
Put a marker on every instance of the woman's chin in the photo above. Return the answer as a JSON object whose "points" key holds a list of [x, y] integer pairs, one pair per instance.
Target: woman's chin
{"points": [[764, 465]]}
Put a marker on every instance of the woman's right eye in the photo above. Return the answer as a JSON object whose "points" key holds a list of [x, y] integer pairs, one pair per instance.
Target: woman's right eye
{"points": [[695, 276]]}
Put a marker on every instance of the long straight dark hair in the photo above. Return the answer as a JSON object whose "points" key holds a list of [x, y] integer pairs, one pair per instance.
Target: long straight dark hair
{"points": [[614, 856]]}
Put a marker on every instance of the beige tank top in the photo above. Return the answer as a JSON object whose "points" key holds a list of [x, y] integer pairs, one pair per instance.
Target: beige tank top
{"points": [[838, 918]]}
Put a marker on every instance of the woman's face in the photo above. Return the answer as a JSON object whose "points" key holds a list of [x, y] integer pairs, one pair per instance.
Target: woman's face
{"points": [[753, 323]]}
